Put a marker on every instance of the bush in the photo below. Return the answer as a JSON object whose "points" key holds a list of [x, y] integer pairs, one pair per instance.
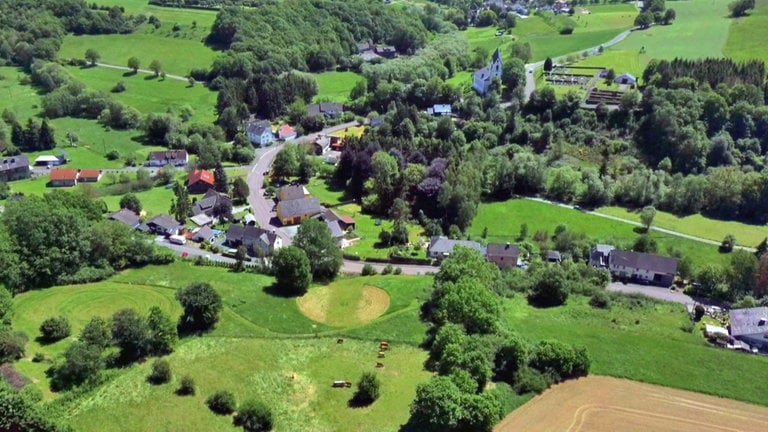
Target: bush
{"points": [[397, 271], [113, 155], [54, 329], [222, 402], [161, 372], [388, 269], [254, 416], [38, 358], [201, 305], [119, 87], [368, 389], [368, 270], [186, 387], [698, 312], [600, 300], [529, 380]]}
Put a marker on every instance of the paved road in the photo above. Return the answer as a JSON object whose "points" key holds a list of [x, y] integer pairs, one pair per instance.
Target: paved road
{"points": [[651, 291], [144, 71]]}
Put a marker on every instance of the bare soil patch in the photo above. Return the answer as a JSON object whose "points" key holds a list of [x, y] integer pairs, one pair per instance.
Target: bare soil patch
{"points": [[603, 404]]}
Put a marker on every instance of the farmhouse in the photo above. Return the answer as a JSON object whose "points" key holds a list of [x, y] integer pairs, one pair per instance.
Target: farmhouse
{"points": [[626, 78], [327, 109], [598, 257], [208, 204], [126, 216], [14, 168], [504, 255], [440, 246], [260, 133], [64, 177], [649, 268], [168, 157], [286, 132], [257, 241], [164, 225], [750, 325], [370, 51], [89, 176], [292, 192], [292, 212], [483, 78], [199, 181]]}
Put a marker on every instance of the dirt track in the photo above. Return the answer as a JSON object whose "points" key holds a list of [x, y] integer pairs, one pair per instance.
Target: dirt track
{"points": [[602, 404]]}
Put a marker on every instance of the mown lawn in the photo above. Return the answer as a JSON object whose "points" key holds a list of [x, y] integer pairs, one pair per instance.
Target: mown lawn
{"points": [[645, 344], [744, 42], [20, 99], [335, 86]]}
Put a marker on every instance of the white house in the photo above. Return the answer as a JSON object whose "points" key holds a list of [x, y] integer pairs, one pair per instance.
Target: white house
{"points": [[626, 78], [643, 267], [260, 133], [483, 78]]}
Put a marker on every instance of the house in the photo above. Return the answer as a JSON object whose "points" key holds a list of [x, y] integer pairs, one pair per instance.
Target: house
{"points": [[345, 222], [163, 225], [322, 145], [64, 177], [48, 160], [750, 325], [370, 51], [89, 176], [644, 267], [504, 255], [294, 211], [554, 256], [386, 51], [626, 78], [376, 122], [292, 192], [483, 78], [205, 233], [249, 219], [336, 143], [598, 256], [286, 132], [441, 246], [257, 241], [199, 181], [126, 216], [208, 204], [168, 157], [260, 133], [337, 233], [14, 168], [201, 219], [440, 110], [327, 109]]}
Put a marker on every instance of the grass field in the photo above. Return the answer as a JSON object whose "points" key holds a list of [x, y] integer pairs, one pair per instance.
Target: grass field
{"points": [[684, 38], [21, 100], [147, 94], [698, 225], [743, 43], [645, 344], [503, 220], [335, 86], [355, 131]]}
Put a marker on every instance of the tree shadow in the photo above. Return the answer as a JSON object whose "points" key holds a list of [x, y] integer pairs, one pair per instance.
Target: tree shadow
{"points": [[640, 230], [357, 402], [275, 291], [129, 74], [151, 77]]}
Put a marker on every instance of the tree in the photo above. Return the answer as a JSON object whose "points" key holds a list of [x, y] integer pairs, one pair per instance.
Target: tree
{"points": [[45, 137], [315, 239], [133, 64], [131, 202], [222, 402], [240, 255], [550, 288], [669, 16], [739, 8], [437, 406], [292, 270], [201, 304], [220, 182], [20, 412], [156, 67], [54, 329], [646, 217], [12, 345], [513, 73], [162, 332], [548, 64], [644, 20], [254, 416], [96, 332], [82, 363], [186, 386], [129, 332], [181, 207], [6, 308], [161, 372], [368, 389], [728, 243], [92, 56], [743, 274], [287, 161], [240, 190]]}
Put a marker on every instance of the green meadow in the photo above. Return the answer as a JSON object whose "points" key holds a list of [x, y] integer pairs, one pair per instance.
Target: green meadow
{"points": [[336, 86], [744, 38]]}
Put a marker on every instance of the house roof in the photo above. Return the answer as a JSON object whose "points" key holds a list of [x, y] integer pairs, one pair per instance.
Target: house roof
{"points": [[292, 192], [554, 255], [13, 162], [502, 250], [90, 173], [164, 221], [444, 245], [347, 220], [604, 248], [749, 321], [204, 233], [440, 109], [259, 127], [336, 231], [62, 174], [200, 175], [248, 235], [286, 130], [177, 155], [626, 75], [209, 201], [46, 159], [201, 219], [654, 263], [376, 121], [298, 207], [126, 216], [325, 108]]}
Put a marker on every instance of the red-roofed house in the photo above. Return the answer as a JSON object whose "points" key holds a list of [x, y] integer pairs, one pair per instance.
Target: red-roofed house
{"points": [[89, 175], [63, 177], [199, 181], [286, 132]]}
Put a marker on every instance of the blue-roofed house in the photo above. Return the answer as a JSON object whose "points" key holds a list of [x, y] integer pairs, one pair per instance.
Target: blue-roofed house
{"points": [[440, 246], [440, 110]]}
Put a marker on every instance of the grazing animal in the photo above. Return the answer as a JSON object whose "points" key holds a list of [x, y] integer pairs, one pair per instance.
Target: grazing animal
{"points": [[381, 354], [379, 364], [339, 341]]}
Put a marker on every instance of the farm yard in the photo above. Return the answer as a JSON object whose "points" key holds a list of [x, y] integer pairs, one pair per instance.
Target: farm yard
{"points": [[601, 404]]}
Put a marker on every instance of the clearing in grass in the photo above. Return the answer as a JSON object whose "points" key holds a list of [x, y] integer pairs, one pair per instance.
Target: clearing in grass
{"points": [[335, 86], [343, 304]]}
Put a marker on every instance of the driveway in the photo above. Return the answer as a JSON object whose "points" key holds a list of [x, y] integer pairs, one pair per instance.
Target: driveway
{"points": [[651, 291]]}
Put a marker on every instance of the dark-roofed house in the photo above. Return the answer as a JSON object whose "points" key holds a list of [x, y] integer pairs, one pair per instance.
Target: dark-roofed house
{"points": [[554, 256], [626, 78], [14, 168], [292, 212], [328, 109], [336, 232], [208, 204], [292, 192], [125, 216], [164, 225], [345, 222], [260, 132], [89, 175], [322, 145], [654, 269], [168, 157], [64, 177], [199, 181], [750, 325], [483, 78], [203, 234], [598, 257], [257, 241], [504, 255], [440, 246]]}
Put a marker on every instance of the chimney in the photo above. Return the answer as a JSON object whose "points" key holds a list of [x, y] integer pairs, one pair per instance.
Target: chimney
{"points": [[507, 246]]}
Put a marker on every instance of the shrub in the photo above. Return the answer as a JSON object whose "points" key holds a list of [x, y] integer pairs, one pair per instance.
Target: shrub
{"points": [[368, 270], [397, 271], [119, 87], [201, 305], [600, 300], [254, 416], [161, 372], [186, 387], [222, 402], [54, 329], [529, 380], [38, 358], [388, 269], [368, 389], [113, 155], [698, 312]]}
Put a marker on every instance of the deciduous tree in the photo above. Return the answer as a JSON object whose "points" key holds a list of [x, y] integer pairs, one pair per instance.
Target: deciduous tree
{"points": [[315, 239], [292, 270], [201, 306]]}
